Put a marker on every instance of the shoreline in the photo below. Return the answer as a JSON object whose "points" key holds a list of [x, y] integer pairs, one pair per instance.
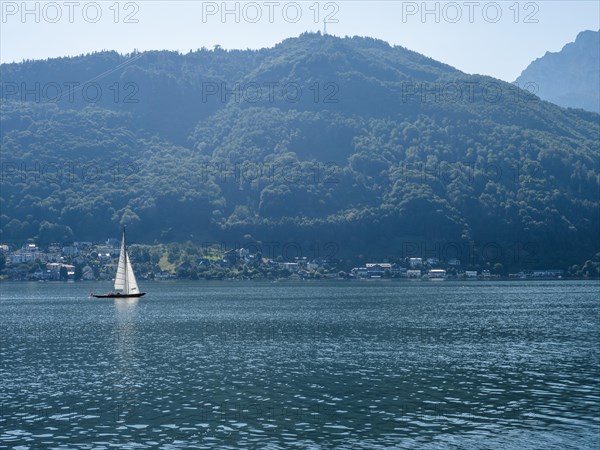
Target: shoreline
{"points": [[315, 280]]}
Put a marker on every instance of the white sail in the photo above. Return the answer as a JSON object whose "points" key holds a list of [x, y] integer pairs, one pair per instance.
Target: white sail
{"points": [[121, 277], [125, 279], [131, 286]]}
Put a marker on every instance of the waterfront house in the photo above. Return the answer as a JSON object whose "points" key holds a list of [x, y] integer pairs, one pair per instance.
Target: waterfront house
{"points": [[29, 248], [376, 270], [70, 250], [548, 273], [416, 262], [359, 272], [413, 273], [398, 270], [291, 266], [437, 273]]}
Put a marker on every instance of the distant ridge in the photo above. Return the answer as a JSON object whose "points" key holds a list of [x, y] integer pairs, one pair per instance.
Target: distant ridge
{"points": [[571, 77]]}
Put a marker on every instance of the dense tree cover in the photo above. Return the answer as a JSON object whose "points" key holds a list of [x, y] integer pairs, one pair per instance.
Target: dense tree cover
{"points": [[374, 150]]}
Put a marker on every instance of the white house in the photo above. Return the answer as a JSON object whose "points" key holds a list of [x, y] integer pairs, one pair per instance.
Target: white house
{"points": [[378, 269], [360, 272], [70, 250], [437, 273], [416, 262]]}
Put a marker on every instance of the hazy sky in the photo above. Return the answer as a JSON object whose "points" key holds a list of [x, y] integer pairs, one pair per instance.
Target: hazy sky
{"points": [[493, 38]]}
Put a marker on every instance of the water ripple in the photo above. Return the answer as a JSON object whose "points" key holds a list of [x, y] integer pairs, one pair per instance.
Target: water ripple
{"points": [[511, 365]]}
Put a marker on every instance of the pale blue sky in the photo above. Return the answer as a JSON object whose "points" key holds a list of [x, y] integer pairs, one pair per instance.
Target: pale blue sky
{"points": [[478, 41]]}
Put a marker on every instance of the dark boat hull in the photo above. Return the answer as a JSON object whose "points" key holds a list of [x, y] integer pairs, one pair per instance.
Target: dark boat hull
{"points": [[117, 295]]}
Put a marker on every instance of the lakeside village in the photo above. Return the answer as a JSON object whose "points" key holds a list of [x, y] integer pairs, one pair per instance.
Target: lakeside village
{"points": [[89, 261]]}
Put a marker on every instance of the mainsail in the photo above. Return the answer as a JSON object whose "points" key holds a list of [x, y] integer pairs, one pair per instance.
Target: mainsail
{"points": [[125, 279]]}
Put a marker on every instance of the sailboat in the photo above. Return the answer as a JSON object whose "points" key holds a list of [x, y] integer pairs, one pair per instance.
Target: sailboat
{"points": [[125, 283]]}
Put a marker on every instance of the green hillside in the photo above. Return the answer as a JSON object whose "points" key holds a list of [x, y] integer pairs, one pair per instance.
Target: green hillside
{"points": [[319, 139]]}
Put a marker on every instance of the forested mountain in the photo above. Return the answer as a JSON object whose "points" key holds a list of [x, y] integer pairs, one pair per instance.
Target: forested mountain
{"points": [[571, 77], [319, 139]]}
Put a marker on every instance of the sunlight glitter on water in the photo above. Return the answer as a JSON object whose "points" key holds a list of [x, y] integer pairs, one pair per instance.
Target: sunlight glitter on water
{"points": [[301, 365]]}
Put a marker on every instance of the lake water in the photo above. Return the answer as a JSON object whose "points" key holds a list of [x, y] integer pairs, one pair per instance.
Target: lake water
{"points": [[301, 365]]}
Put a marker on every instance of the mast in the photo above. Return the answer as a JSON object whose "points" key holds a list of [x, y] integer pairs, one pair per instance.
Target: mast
{"points": [[125, 260]]}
